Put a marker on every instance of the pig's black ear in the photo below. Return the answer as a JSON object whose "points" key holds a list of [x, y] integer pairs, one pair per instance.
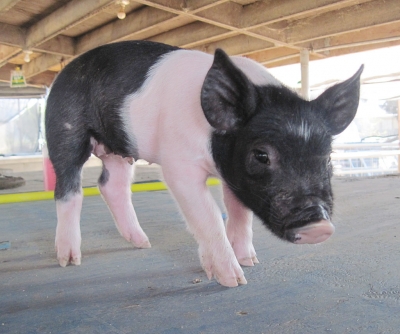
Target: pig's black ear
{"points": [[339, 103], [228, 98]]}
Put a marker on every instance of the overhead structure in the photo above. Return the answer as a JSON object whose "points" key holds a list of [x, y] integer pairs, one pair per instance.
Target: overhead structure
{"points": [[44, 35]]}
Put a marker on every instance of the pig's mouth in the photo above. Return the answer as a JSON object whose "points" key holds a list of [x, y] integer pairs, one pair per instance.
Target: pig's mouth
{"points": [[311, 226]]}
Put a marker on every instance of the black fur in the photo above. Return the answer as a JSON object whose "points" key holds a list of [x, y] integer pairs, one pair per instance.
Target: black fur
{"points": [[275, 157], [89, 88]]}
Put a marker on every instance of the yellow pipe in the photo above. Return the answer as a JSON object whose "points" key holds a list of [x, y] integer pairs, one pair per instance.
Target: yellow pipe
{"points": [[90, 191]]}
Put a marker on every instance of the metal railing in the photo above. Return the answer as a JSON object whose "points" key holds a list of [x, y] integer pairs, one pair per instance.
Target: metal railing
{"points": [[366, 159]]}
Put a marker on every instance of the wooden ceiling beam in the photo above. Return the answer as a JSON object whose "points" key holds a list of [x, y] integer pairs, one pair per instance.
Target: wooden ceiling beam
{"points": [[365, 15], [41, 64], [5, 72], [63, 18], [375, 35], [58, 45], [273, 54], [12, 35], [137, 21], [180, 6], [218, 10], [43, 79], [7, 53], [191, 35], [237, 45], [6, 5], [361, 47], [261, 13], [228, 13]]}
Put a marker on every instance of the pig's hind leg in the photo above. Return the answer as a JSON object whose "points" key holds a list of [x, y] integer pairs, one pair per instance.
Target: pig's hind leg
{"points": [[239, 229], [115, 187], [69, 197]]}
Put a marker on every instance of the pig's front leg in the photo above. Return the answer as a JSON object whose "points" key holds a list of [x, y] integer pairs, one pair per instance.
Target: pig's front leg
{"points": [[204, 219], [239, 229]]}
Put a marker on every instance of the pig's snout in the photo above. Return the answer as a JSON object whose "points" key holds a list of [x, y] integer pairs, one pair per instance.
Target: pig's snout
{"points": [[314, 233]]}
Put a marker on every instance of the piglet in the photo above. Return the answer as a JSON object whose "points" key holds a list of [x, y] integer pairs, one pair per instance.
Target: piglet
{"points": [[196, 115]]}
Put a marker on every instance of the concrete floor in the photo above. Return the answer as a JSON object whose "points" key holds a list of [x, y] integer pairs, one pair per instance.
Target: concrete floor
{"points": [[349, 284]]}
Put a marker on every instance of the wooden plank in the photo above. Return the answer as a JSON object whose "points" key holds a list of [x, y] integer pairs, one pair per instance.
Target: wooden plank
{"points": [[288, 60], [12, 35], [6, 5], [374, 35], [198, 14], [228, 13], [180, 6], [244, 2], [362, 16], [5, 72], [190, 35], [193, 6], [63, 18], [272, 32], [273, 54], [160, 28], [7, 53], [41, 64], [43, 79], [59, 45], [236, 45], [272, 11], [140, 20], [362, 48]]}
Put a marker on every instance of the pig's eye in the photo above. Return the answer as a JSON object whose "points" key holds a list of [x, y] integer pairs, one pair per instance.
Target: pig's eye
{"points": [[261, 156]]}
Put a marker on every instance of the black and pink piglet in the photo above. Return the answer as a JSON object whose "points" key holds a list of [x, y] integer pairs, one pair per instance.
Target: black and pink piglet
{"points": [[196, 115]]}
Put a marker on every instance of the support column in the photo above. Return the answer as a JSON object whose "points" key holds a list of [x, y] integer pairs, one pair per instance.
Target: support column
{"points": [[305, 83], [398, 133]]}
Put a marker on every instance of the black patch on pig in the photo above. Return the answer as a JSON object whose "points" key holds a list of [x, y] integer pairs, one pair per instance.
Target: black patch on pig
{"points": [[273, 148], [104, 176], [88, 95]]}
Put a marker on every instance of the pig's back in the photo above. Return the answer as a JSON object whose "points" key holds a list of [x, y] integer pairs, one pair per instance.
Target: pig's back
{"points": [[88, 94]]}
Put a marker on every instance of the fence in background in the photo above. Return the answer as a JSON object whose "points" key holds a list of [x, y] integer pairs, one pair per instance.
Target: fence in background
{"points": [[366, 159]]}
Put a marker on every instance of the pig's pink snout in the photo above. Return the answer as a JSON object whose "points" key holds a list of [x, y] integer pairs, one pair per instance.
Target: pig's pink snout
{"points": [[314, 233]]}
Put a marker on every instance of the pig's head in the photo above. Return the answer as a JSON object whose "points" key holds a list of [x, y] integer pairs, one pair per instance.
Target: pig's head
{"points": [[273, 148]]}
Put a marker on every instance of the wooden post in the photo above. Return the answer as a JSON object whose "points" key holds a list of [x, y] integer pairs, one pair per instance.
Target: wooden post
{"points": [[398, 133], [305, 83]]}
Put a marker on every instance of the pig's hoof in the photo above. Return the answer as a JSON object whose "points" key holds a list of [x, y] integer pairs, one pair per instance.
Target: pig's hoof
{"points": [[229, 278], [67, 253], [63, 261], [144, 244], [248, 261], [245, 253], [231, 282]]}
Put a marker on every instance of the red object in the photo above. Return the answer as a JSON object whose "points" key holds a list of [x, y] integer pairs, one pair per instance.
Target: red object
{"points": [[49, 176]]}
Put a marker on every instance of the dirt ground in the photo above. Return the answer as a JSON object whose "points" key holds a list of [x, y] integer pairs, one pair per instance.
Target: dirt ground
{"points": [[349, 284]]}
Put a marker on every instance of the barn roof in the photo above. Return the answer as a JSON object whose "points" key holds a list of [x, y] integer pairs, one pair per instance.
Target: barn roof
{"points": [[271, 32]]}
